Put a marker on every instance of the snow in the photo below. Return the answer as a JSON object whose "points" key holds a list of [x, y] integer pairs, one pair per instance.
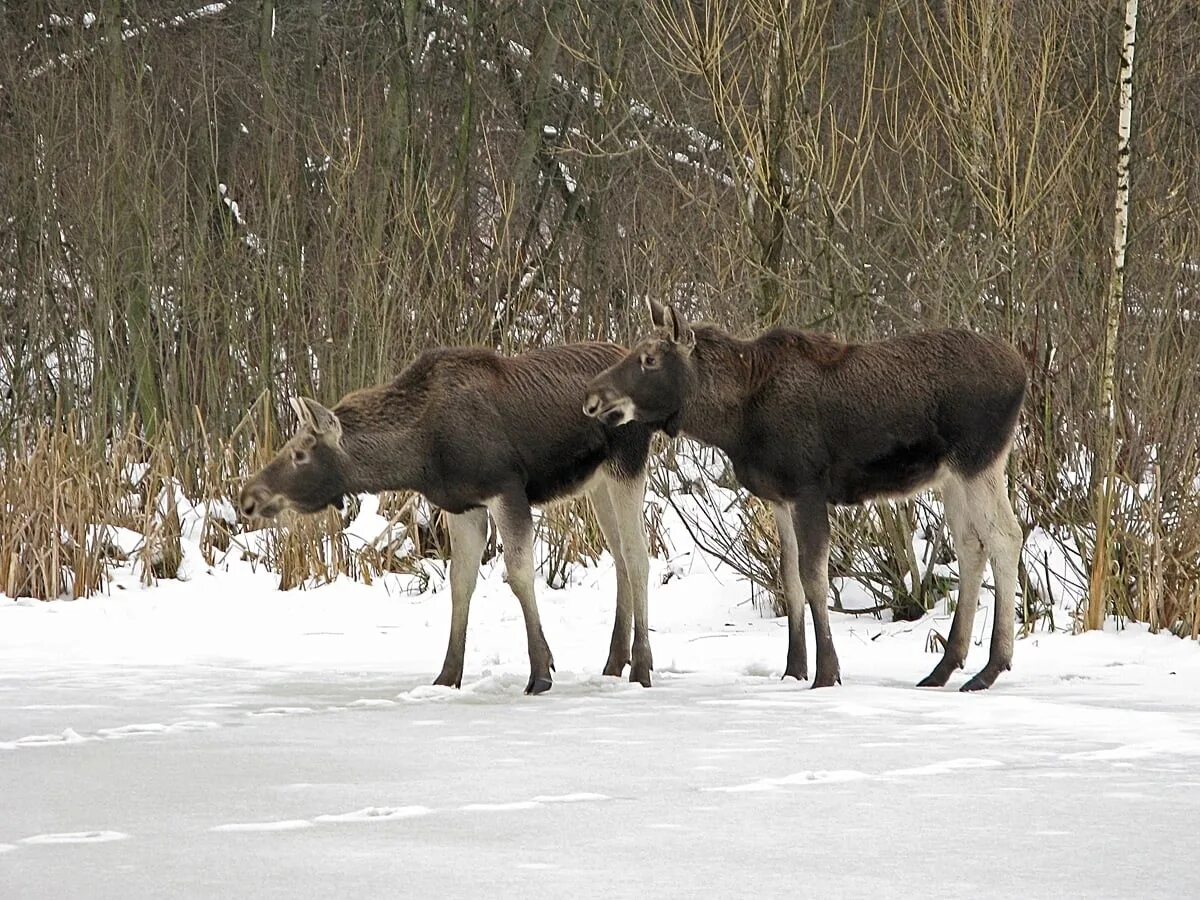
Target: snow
{"points": [[215, 737], [127, 33]]}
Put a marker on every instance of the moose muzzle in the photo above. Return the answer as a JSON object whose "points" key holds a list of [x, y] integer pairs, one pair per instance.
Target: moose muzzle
{"points": [[609, 406]]}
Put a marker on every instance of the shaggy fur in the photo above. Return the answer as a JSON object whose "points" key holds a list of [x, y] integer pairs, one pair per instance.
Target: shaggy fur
{"points": [[807, 420], [473, 430]]}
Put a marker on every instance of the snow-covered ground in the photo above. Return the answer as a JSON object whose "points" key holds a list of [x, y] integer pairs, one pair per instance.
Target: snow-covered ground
{"points": [[215, 737]]}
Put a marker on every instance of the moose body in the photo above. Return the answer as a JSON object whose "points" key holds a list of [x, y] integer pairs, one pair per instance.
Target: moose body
{"points": [[474, 431], [808, 421]]}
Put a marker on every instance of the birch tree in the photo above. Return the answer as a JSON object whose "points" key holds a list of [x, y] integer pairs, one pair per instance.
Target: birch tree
{"points": [[1098, 587]]}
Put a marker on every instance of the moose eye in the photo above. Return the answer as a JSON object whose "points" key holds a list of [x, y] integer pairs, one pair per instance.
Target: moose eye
{"points": [[650, 362], [300, 456]]}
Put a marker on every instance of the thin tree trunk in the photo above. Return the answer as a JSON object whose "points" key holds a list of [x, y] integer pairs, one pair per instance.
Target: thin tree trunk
{"points": [[1100, 581], [769, 217]]}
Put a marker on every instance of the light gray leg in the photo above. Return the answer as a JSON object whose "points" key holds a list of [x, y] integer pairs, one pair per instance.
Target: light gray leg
{"points": [[627, 498], [793, 592], [972, 556], [468, 537], [810, 517], [515, 524], [618, 648], [996, 521]]}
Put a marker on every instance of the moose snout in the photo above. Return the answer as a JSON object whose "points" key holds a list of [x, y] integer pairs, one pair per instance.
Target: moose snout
{"points": [[255, 500], [594, 402], [599, 400], [608, 405]]}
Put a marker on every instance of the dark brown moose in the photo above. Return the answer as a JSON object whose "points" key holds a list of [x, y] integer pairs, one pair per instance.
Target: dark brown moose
{"points": [[476, 432], [808, 421]]}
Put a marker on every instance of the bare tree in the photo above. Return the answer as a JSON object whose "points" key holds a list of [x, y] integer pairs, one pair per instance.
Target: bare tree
{"points": [[1114, 301]]}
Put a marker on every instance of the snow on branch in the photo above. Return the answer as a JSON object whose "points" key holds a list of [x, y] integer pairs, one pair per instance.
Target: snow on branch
{"points": [[88, 19]]}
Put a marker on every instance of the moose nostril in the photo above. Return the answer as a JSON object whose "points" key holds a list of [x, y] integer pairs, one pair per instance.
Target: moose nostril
{"points": [[250, 500], [591, 405]]}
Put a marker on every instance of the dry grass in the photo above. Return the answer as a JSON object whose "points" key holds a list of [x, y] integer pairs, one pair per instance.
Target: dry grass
{"points": [[571, 536], [54, 490]]}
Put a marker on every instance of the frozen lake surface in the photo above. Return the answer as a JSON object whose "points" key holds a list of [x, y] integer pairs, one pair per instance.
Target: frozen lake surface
{"points": [[217, 738]]}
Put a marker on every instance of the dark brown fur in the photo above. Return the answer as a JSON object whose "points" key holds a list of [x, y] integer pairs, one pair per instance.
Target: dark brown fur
{"points": [[807, 420], [470, 429], [462, 425]]}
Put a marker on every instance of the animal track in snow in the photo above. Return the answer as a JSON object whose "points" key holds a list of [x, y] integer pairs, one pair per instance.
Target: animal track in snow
{"points": [[279, 825], [125, 730], [806, 777], [157, 728], [76, 837], [280, 711], [368, 814], [376, 814], [950, 765], [66, 736], [839, 775], [499, 807], [578, 797], [71, 736]]}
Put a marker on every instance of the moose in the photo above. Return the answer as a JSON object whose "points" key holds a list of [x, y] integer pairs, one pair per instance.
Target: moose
{"points": [[476, 432], [808, 421]]}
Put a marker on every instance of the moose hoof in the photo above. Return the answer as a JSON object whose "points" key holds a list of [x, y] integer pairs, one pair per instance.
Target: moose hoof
{"points": [[800, 673], [980, 682], [938, 677], [449, 679], [538, 684], [642, 664], [614, 669], [827, 679]]}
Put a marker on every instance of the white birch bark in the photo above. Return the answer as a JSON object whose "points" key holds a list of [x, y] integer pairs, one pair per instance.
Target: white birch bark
{"points": [[1106, 447]]}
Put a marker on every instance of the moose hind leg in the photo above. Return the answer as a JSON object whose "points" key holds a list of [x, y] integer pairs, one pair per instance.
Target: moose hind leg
{"points": [[514, 521], [619, 647], [998, 522], [468, 537], [811, 520], [793, 592], [627, 497], [972, 557]]}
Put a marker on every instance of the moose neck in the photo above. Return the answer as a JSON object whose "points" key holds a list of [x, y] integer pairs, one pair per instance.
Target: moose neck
{"points": [[713, 400], [372, 464], [380, 446]]}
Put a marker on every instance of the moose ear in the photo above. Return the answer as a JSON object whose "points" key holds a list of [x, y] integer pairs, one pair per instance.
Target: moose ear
{"points": [[658, 313], [321, 420], [301, 411], [679, 330]]}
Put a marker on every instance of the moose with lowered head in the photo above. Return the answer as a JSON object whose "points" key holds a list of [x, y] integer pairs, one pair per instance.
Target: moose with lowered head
{"points": [[808, 422], [477, 432]]}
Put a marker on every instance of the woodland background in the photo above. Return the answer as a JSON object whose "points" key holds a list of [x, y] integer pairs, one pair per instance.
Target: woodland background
{"points": [[205, 209]]}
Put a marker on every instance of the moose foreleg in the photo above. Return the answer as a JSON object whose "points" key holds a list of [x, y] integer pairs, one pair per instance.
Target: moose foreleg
{"points": [[793, 592], [628, 497], [619, 647]]}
